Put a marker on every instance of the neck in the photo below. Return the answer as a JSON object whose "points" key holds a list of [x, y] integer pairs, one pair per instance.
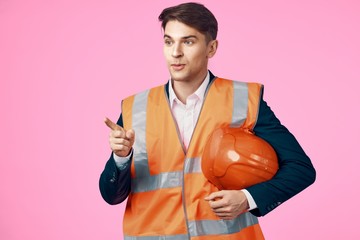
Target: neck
{"points": [[183, 89]]}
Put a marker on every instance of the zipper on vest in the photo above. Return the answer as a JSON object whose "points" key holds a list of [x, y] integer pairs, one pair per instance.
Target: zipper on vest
{"points": [[183, 184], [185, 151], [183, 201], [183, 171]]}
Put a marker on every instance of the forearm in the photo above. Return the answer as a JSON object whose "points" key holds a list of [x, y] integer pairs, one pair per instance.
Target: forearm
{"points": [[115, 184], [295, 173], [292, 177]]}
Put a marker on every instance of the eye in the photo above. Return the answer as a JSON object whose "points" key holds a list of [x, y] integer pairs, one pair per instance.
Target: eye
{"points": [[167, 42], [189, 42]]}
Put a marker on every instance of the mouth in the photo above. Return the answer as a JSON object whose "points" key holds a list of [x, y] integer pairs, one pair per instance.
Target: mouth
{"points": [[177, 66]]}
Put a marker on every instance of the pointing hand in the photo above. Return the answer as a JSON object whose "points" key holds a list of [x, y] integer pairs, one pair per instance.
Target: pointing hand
{"points": [[121, 140]]}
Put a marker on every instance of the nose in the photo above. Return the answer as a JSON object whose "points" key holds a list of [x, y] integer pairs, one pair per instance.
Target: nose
{"points": [[177, 51]]}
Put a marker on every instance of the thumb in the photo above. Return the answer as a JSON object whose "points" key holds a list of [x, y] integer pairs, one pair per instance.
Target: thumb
{"points": [[214, 196], [112, 125], [130, 134]]}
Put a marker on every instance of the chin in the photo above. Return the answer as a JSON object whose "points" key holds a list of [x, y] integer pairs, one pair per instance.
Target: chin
{"points": [[179, 76]]}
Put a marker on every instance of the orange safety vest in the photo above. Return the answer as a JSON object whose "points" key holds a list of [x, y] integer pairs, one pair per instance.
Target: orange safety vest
{"points": [[167, 184]]}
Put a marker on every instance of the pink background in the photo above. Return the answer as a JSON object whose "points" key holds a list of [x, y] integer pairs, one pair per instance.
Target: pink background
{"points": [[65, 65]]}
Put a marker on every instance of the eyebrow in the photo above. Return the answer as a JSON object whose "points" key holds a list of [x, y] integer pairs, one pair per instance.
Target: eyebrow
{"points": [[185, 37]]}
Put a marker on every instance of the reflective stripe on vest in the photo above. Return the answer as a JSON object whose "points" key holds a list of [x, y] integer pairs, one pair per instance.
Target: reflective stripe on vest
{"points": [[145, 181], [208, 227], [165, 180], [139, 123], [167, 237], [240, 104]]}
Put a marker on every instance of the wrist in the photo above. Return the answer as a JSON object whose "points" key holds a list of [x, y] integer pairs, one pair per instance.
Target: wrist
{"points": [[251, 204]]}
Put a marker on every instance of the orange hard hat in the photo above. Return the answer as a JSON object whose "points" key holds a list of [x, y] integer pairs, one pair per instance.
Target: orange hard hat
{"points": [[235, 158]]}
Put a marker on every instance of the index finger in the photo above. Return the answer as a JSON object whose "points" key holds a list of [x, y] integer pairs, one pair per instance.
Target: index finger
{"points": [[215, 196], [112, 125], [219, 203]]}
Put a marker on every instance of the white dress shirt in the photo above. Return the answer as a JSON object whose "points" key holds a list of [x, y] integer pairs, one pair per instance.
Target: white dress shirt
{"points": [[186, 116]]}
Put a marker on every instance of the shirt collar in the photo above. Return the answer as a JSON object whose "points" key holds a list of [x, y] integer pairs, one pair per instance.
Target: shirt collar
{"points": [[200, 92]]}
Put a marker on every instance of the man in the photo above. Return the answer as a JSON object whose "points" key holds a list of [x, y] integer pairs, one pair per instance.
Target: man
{"points": [[168, 196]]}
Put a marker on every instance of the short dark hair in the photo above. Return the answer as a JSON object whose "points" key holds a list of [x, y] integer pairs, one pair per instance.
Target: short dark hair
{"points": [[194, 15]]}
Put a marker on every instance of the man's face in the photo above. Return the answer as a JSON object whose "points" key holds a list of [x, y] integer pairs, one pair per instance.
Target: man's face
{"points": [[186, 52]]}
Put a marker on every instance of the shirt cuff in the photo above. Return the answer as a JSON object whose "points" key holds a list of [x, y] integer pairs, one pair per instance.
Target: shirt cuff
{"points": [[251, 201], [121, 162]]}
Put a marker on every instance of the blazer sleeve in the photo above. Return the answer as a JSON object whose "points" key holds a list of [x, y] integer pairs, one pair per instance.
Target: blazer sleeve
{"points": [[296, 171], [115, 184]]}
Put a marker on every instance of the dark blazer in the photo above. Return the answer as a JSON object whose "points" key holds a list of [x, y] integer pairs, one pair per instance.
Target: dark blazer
{"points": [[295, 173]]}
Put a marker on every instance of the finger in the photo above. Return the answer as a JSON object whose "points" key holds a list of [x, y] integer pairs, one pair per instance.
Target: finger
{"points": [[226, 217], [130, 134], [217, 204], [121, 141], [117, 134], [214, 196], [221, 210], [222, 215], [120, 148], [112, 125]]}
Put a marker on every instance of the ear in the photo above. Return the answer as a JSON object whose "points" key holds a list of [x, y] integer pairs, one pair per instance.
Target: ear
{"points": [[211, 48]]}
